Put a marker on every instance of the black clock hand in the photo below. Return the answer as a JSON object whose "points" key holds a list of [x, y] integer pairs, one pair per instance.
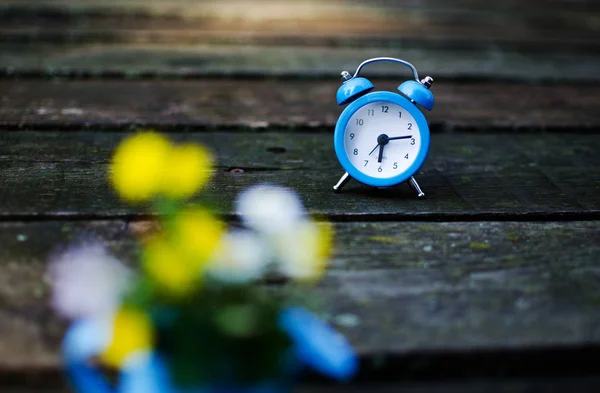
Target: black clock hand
{"points": [[380, 153], [399, 137]]}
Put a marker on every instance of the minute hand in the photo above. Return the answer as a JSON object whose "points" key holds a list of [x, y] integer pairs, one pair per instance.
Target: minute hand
{"points": [[399, 137]]}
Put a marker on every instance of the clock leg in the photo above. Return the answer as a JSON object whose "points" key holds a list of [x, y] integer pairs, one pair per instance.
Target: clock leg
{"points": [[345, 179], [415, 186]]}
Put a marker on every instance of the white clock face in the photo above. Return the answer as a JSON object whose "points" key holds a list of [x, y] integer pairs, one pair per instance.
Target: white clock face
{"points": [[389, 124]]}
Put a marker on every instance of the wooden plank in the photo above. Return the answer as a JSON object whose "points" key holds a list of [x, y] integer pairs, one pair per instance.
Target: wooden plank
{"points": [[134, 60], [467, 176], [226, 35], [431, 16], [437, 290], [278, 150], [277, 8], [307, 23], [301, 9], [248, 103], [55, 190]]}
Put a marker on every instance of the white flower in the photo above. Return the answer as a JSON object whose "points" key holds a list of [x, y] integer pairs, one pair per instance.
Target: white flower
{"points": [[299, 247], [87, 282], [241, 258], [269, 209]]}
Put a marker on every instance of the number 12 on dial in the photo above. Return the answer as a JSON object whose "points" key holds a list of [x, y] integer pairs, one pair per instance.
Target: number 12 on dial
{"points": [[381, 138]]}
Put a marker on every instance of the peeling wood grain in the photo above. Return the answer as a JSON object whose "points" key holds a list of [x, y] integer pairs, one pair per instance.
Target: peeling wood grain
{"points": [[258, 104]]}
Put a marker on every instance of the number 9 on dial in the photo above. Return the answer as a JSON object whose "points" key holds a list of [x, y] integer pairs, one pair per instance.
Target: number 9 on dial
{"points": [[381, 138]]}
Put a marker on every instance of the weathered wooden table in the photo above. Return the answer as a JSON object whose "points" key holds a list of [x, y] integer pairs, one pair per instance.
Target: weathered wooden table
{"points": [[491, 284]]}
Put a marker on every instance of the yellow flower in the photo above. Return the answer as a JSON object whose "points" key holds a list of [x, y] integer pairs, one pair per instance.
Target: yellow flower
{"points": [[131, 332], [173, 271], [197, 233], [147, 164], [188, 169], [321, 236], [137, 166], [178, 259], [324, 242]]}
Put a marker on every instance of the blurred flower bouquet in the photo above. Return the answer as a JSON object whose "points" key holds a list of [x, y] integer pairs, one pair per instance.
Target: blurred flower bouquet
{"points": [[190, 317]]}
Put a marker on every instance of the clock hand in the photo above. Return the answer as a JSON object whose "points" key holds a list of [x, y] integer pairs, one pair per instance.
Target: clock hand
{"points": [[380, 153], [399, 137], [376, 146]]}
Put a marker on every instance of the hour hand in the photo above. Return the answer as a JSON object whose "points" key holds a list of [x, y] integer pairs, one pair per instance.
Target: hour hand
{"points": [[380, 153]]}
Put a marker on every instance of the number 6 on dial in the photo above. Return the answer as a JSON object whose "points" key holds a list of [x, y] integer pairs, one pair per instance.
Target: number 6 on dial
{"points": [[381, 138]]}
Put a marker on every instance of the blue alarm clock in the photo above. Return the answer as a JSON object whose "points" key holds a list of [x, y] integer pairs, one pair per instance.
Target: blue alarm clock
{"points": [[381, 138]]}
